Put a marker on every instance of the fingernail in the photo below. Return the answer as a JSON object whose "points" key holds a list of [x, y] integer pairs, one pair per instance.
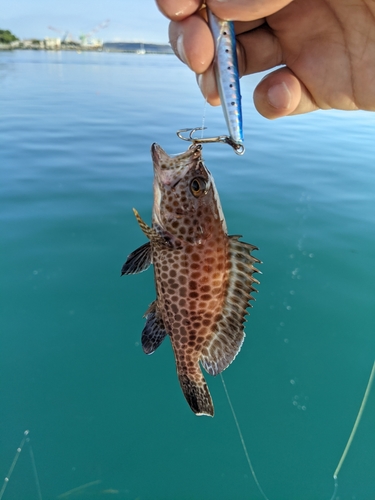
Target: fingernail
{"points": [[180, 48], [199, 81], [279, 96]]}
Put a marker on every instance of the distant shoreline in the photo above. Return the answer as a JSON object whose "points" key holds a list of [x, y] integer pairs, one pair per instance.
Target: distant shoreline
{"points": [[128, 47]]}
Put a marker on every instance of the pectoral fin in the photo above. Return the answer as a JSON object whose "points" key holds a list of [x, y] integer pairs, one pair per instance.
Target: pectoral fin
{"points": [[154, 331], [138, 261]]}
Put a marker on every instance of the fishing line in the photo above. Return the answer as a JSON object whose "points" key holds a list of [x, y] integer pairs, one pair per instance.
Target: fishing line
{"points": [[243, 441], [16, 456], [354, 430], [204, 115], [79, 489], [36, 477], [25, 439], [346, 449]]}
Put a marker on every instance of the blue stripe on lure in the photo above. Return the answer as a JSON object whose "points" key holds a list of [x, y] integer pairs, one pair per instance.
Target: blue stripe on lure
{"points": [[226, 72]]}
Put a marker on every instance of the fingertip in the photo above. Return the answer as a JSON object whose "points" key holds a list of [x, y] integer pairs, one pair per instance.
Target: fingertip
{"points": [[192, 41], [208, 87]]}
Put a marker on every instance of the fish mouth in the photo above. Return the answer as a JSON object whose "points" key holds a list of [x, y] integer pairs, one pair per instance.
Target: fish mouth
{"points": [[170, 169]]}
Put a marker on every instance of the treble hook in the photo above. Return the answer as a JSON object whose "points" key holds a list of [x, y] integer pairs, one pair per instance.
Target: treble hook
{"points": [[239, 149]]}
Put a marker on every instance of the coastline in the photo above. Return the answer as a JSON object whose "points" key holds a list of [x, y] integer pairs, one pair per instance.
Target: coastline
{"points": [[128, 47]]}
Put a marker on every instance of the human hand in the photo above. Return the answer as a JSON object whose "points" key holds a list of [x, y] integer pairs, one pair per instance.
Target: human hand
{"points": [[326, 47]]}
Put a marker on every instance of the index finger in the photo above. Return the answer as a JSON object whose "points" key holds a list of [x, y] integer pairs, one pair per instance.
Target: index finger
{"points": [[245, 10]]}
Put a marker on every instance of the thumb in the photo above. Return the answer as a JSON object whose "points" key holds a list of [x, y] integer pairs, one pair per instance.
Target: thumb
{"points": [[281, 93]]}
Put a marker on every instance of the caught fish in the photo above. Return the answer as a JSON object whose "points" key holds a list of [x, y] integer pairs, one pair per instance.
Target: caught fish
{"points": [[204, 278], [226, 73]]}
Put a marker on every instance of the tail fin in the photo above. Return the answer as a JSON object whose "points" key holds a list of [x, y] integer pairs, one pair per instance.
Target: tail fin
{"points": [[196, 393]]}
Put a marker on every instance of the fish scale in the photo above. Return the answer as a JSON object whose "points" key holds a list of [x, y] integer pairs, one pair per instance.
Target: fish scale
{"points": [[204, 278]]}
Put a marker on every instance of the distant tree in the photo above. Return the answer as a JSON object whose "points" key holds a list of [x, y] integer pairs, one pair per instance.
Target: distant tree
{"points": [[6, 36]]}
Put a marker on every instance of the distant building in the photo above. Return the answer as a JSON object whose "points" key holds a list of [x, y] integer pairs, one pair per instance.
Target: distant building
{"points": [[32, 44], [52, 43], [90, 43]]}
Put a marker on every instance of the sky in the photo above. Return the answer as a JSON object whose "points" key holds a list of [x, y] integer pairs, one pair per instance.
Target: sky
{"points": [[129, 20]]}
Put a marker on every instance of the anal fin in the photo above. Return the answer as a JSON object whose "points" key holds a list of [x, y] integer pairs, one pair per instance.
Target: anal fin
{"points": [[228, 335], [154, 332]]}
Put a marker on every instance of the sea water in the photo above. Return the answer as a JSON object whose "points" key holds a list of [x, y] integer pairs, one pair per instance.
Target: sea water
{"points": [[76, 131]]}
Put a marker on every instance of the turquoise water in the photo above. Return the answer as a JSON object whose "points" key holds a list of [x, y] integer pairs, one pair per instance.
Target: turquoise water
{"points": [[76, 131]]}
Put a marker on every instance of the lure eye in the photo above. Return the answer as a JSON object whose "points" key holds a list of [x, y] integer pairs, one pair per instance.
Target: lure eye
{"points": [[198, 186]]}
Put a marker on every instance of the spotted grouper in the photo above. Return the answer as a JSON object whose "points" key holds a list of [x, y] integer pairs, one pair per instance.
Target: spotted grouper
{"points": [[204, 278]]}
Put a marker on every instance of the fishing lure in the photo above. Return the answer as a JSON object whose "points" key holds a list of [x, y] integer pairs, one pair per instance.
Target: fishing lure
{"points": [[227, 79], [226, 73]]}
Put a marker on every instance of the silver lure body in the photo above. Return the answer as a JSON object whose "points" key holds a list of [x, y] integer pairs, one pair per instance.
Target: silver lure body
{"points": [[226, 72]]}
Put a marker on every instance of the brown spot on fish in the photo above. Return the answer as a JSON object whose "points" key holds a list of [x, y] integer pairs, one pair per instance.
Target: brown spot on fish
{"points": [[206, 296]]}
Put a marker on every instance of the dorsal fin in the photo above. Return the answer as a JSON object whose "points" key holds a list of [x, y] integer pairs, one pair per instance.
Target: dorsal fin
{"points": [[138, 261], [229, 334], [154, 332]]}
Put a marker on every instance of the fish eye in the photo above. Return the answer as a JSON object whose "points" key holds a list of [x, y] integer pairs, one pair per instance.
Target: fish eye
{"points": [[198, 186]]}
